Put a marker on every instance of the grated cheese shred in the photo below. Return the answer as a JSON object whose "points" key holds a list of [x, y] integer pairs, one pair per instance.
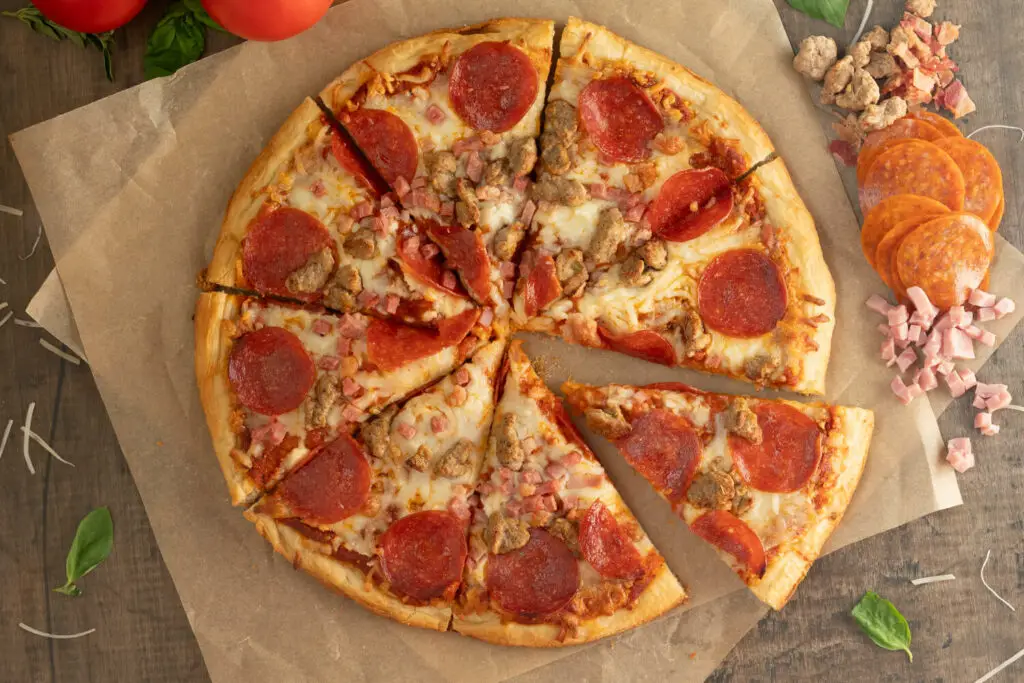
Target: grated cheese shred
{"points": [[990, 589], [7, 433], [55, 636], [26, 430], [933, 579], [63, 354]]}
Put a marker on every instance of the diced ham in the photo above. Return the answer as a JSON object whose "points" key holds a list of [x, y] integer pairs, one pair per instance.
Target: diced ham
{"points": [[923, 80], [533, 503], [879, 305], [506, 488], [550, 502], [981, 298], [467, 145], [486, 488], [885, 329], [505, 474], [351, 413], [361, 211], [956, 385], [320, 327], [572, 458], [969, 378], [570, 501], [448, 280], [1004, 307], [889, 351], [438, 423], [529, 208], [474, 167], [901, 390], [507, 288], [514, 508], [527, 489], [531, 476], [914, 334], [367, 299], [520, 184], [401, 186], [946, 33], [943, 323], [392, 304], [352, 326], [900, 332], [945, 367], [435, 114], [550, 486], [983, 422], [987, 390], [979, 402], [925, 378], [555, 470], [329, 362], [380, 225], [954, 97], [387, 201], [956, 344], [507, 269], [350, 387], [271, 433], [920, 319], [959, 454], [998, 402], [458, 396], [317, 188], [406, 430], [486, 316], [583, 480], [598, 190], [906, 359], [447, 209], [635, 213], [462, 376], [986, 314], [390, 213], [960, 317]]}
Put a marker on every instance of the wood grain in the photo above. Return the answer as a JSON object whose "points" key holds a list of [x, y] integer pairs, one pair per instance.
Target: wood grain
{"points": [[960, 631]]}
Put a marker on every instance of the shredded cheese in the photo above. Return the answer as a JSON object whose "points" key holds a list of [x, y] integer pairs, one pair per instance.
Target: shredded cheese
{"points": [[863, 23], [7, 433], [999, 668], [933, 579], [46, 447], [63, 354], [3, 281], [55, 636], [26, 430], [11, 210], [26, 323], [997, 125], [35, 245], [3, 305], [990, 589], [10, 314]]}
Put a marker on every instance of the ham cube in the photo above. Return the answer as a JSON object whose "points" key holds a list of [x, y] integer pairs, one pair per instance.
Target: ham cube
{"points": [[885, 329], [461, 376], [914, 334], [956, 344], [897, 315], [956, 385], [979, 402], [555, 470], [392, 304], [987, 338], [531, 476], [406, 430], [986, 314], [959, 454], [572, 458], [901, 390], [925, 378], [998, 402], [947, 32], [486, 316], [321, 327], [969, 378], [906, 359], [960, 317], [981, 298], [918, 318], [946, 367], [1004, 307], [350, 387], [329, 362], [438, 423], [474, 167], [436, 115], [351, 413], [900, 332], [889, 351], [943, 323], [922, 304]]}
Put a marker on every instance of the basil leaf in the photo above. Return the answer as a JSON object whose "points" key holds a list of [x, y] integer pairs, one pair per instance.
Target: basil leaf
{"points": [[201, 15], [104, 42], [177, 40], [93, 542], [883, 623], [832, 11]]}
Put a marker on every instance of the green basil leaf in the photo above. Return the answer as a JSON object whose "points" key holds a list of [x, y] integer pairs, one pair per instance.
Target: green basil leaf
{"points": [[34, 19], [832, 11], [201, 15], [883, 623], [93, 542], [177, 40]]}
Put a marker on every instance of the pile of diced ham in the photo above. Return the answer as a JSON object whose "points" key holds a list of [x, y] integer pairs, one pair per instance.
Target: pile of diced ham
{"points": [[928, 342]]}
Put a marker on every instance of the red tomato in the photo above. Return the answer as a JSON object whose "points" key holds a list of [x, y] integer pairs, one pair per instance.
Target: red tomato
{"points": [[267, 19], [90, 16]]}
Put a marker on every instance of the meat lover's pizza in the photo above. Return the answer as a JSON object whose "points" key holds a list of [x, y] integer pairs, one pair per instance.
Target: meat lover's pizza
{"points": [[381, 431]]}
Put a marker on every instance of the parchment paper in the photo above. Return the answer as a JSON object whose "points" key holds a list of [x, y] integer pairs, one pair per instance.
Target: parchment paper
{"points": [[131, 190]]}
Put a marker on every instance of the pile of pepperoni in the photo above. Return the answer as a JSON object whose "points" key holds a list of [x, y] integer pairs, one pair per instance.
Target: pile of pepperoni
{"points": [[932, 201]]}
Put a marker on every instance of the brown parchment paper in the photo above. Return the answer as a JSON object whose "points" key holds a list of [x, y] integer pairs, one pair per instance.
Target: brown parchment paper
{"points": [[131, 190]]}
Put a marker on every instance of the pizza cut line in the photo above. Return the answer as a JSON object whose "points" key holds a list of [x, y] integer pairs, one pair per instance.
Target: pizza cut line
{"points": [[352, 350]]}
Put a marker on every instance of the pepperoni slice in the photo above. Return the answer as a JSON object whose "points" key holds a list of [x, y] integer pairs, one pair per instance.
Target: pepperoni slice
{"points": [[884, 217], [332, 486], [391, 344], [947, 257], [741, 293], [788, 454], [730, 534], [387, 142], [885, 255], [645, 344], [542, 285], [270, 371], [665, 449], [605, 545], [352, 162], [265, 468], [620, 118], [279, 243], [690, 203], [466, 255], [983, 179], [946, 127], [913, 167], [537, 579], [880, 140], [422, 555], [430, 271], [492, 86]]}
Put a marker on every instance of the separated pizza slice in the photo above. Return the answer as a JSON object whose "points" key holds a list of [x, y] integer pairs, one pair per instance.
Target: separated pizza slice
{"points": [[555, 556], [449, 119], [764, 481], [381, 515], [313, 222], [650, 239], [277, 381]]}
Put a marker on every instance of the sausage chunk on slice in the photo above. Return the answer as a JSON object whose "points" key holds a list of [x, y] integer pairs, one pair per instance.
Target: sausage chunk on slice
{"points": [[505, 534]]}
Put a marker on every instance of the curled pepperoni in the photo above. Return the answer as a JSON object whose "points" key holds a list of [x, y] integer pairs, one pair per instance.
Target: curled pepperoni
{"points": [[880, 140], [690, 203], [884, 217], [266, 467], [492, 86], [422, 555], [542, 285], [537, 579], [391, 344], [885, 255], [741, 293], [270, 371], [354, 163], [665, 449], [945, 127], [729, 534], [646, 344], [620, 118], [788, 454], [913, 167], [387, 142], [279, 243], [983, 179], [332, 486], [428, 270], [605, 545], [947, 257], [465, 253]]}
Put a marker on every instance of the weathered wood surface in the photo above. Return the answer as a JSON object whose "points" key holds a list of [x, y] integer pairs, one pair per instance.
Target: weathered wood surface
{"points": [[960, 631]]}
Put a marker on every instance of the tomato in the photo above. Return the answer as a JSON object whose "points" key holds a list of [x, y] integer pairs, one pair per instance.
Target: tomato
{"points": [[267, 19], [90, 16]]}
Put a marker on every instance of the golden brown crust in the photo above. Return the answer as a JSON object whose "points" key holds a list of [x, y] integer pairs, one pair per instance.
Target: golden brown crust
{"points": [[346, 579], [213, 346], [660, 596], [245, 203]]}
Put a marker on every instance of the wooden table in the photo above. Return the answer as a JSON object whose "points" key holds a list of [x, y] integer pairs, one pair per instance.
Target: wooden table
{"points": [[960, 631]]}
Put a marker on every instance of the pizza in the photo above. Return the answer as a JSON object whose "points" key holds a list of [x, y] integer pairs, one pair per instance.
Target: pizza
{"points": [[656, 234], [764, 481]]}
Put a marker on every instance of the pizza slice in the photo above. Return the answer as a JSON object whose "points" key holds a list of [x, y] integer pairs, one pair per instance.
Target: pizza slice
{"points": [[653, 237], [764, 481], [449, 119], [555, 556], [277, 381], [380, 515], [314, 223]]}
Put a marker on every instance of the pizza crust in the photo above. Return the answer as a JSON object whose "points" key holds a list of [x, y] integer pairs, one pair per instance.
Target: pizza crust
{"points": [[852, 435], [345, 579], [660, 596], [225, 266], [213, 346]]}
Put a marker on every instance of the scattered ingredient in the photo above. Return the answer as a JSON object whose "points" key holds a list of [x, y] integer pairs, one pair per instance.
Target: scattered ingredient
{"points": [[883, 623], [959, 454], [26, 430], [26, 323], [55, 636], [990, 589], [35, 245], [832, 11], [863, 24], [998, 125], [46, 447], [3, 321], [7, 433], [10, 209], [933, 579], [268, 19], [90, 16], [104, 42], [999, 668], [93, 542], [178, 39], [63, 354]]}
